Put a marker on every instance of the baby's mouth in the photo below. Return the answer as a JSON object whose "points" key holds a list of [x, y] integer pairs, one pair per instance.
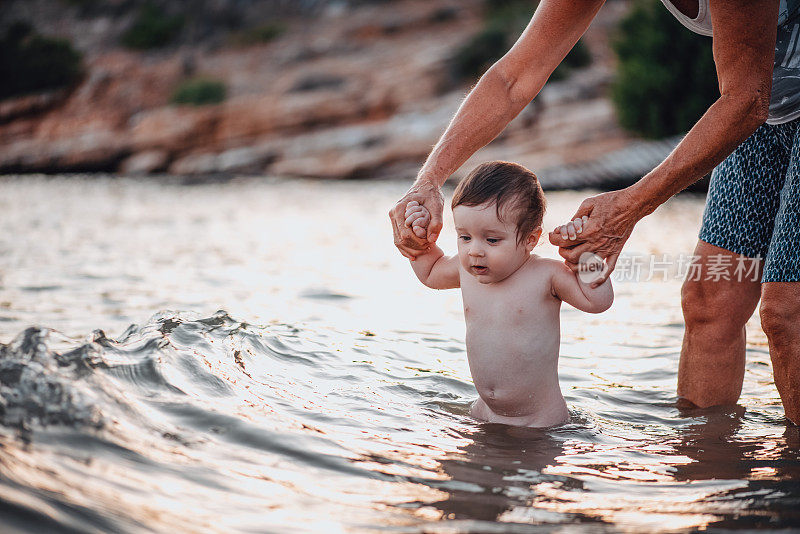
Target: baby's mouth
{"points": [[479, 269]]}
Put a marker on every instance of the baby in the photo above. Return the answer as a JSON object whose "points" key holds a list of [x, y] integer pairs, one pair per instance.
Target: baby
{"points": [[511, 296]]}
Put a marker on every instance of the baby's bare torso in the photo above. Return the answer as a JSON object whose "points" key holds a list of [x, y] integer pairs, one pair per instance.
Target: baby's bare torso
{"points": [[512, 346]]}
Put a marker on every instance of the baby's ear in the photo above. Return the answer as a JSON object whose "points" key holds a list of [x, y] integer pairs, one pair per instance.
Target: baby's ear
{"points": [[533, 238]]}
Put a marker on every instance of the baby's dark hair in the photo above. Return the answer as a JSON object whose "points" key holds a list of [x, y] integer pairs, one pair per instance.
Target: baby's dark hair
{"points": [[514, 190]]}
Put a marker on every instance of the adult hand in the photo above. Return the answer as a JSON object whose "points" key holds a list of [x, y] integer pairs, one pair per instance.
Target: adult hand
{"points": [[428, 195], [611, 218]]}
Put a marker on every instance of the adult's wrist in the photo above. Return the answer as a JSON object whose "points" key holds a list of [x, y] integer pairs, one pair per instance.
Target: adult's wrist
{"points": [[641, 201], [427, 181]]}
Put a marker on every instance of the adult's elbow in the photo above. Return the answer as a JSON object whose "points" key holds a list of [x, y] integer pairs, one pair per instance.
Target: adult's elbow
{"points": [[511, 75], [755, 108], [760, 108]]}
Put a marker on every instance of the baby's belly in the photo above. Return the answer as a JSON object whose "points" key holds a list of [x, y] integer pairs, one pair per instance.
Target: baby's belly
{"points": [[515, 377]]}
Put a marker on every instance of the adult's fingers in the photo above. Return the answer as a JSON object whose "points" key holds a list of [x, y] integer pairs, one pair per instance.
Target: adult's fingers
{"points": [[585, 208], [611, 263], [435, 226], [422, 195], [403, 233], [555, 238], [574, 267], [407, 235], [573, 254], [559, 239], [406, 251]]}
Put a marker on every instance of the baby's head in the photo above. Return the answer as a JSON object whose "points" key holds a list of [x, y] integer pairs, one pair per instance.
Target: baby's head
{"points": [[498, 210], [512, 189]]}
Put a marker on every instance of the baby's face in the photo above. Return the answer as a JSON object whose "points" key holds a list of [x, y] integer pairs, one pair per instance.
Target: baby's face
{"points": [[488, 247]]}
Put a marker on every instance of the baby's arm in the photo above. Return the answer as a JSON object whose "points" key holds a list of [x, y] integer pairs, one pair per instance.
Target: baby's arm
{"points": [[572, 289], [436, 270]]}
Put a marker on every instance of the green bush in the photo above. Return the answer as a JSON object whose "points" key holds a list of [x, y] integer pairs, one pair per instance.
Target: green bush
{"points": [[505, 21], [576, 58], [665, 76], [199, 92], [31, 63], [260, 34], [152, 28], [479, 53]]}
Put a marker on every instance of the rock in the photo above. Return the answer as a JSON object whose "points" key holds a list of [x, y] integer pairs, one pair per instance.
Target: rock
{"points": [[30, 105], [360, 92], [86, 151], [173, 128], [245, 159], [196, 163], [146, 162], [361, 150], [251, 160]]}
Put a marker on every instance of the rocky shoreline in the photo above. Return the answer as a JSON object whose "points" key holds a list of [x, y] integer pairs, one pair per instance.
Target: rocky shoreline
{"points": [[356, 92]]}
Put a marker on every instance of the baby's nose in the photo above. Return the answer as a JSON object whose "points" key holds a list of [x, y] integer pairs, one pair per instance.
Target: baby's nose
{"points": [[475, 251]]}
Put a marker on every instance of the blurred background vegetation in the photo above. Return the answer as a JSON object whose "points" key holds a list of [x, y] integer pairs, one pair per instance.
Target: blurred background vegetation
{"points": [[153, 28], [504, 22], [312, 65], [31, 63], [199, 91], [665, 77]]}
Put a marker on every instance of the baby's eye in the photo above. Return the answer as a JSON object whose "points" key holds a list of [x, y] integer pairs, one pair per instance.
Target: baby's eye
{"points": [[464, 237], [493, 240]]}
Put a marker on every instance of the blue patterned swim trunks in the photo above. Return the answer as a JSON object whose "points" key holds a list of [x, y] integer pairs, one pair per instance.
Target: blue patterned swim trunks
{"points": [[753, 204]]}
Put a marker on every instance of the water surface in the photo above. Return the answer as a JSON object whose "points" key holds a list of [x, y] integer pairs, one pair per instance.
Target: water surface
{"points": [[254, 356]]}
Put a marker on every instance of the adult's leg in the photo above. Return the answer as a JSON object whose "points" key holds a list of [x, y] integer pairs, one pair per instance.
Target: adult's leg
{"points": [[743, 198], [717, 302], [780, 313], [780, 295]]}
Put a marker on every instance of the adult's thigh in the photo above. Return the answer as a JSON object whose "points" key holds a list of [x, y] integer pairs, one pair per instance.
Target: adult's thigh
{"points": [[745, 192], [783, 258]]}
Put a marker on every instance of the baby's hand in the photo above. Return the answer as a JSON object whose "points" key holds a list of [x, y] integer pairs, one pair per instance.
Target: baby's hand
{"points": [[417, 218], [572, 229]]}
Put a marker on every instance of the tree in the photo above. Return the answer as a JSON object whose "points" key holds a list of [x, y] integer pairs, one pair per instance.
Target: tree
{"points": [[665, 76]]}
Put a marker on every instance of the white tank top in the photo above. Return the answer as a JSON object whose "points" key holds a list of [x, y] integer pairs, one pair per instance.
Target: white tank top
{"points": [[784, 103]]}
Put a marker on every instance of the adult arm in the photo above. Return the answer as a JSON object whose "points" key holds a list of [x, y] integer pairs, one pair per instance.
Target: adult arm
{"points": [[743, 46], [502, 92]]}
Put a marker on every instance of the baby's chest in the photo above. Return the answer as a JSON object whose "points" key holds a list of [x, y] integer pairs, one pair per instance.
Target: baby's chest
{"points": [[511, 306]]}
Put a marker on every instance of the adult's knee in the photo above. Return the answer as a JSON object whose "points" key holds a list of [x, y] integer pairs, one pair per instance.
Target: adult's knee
{"points": [[779, 313], [700, 305], [726, 306]]}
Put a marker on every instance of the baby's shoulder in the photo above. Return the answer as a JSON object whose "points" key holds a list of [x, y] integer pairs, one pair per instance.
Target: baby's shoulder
{"points": [[545, 266], [543, 270]]}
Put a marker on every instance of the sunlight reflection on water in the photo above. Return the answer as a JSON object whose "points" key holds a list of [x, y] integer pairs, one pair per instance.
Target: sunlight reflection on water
{"points": [[336, 389]]}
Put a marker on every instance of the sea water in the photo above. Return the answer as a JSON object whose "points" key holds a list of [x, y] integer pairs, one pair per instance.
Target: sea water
{"points": [[255, 356]]}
